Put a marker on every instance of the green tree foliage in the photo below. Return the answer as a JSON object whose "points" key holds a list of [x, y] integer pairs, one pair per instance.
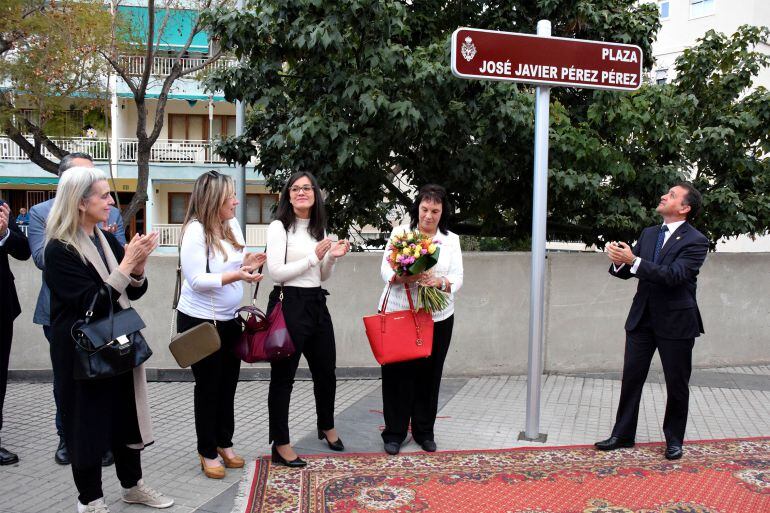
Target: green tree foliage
{"points": [[360, 92]]}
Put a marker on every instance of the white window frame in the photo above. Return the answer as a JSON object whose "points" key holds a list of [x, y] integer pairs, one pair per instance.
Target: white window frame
{"points": [[661, 73], [702, 15]]}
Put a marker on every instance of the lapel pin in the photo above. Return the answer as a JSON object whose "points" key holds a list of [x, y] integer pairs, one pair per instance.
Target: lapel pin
{"points": [[678, 238]]}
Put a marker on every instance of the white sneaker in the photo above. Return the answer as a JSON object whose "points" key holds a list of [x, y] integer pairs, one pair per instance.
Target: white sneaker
{"points": [[97, 506], [143, 494]]}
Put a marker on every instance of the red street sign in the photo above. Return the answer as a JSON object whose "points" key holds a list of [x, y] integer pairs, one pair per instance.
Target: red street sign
{"points": [[552, 61]]}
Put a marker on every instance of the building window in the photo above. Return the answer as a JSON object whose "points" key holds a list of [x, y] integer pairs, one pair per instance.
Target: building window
{"points": [[177, 206], [661, 76], [663, 8], [259, 208], [700, 8], [195, 127]]}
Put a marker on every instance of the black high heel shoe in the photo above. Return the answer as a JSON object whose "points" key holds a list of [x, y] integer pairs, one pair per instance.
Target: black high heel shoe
{"points": [[335, 445], [280, 460]]}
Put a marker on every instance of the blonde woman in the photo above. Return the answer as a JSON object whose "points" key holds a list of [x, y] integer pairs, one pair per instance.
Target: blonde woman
{"points": [[83, 261], [214, 264]]}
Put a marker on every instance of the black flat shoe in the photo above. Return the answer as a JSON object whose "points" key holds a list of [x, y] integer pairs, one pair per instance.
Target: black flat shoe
{"points": [[673, 452], [62, 456], [280, 460], [7, 457], [428, 446], [613, 443], [108, 459], [335, 445], [392, 448]]}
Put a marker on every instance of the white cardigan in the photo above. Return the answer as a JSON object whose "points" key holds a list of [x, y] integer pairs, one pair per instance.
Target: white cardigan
{"points": [[449, 266]]}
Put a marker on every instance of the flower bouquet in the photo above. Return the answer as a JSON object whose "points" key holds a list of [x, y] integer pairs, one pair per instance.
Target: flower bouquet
{"points": [[412, 253]]}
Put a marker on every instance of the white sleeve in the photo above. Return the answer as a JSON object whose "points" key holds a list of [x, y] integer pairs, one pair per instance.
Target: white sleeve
{"points": [[635, 267], [455, 274], [279, 270], [327, 266], [386, 271], [5, 237], [194, 258]]}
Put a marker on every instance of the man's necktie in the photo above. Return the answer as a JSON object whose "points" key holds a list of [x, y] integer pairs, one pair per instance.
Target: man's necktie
{"points": [[659, 244]]}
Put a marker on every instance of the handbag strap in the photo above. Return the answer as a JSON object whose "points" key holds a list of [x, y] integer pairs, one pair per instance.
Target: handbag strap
{"points": [[387, 296], [178, 289], [256, 288]]}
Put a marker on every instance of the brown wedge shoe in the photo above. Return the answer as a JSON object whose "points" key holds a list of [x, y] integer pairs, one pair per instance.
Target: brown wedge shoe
{"points": [[234, 462], [217, 472]]}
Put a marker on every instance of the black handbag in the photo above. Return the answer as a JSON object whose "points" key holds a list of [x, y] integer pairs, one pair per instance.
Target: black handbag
{"points": [[110, 346]]}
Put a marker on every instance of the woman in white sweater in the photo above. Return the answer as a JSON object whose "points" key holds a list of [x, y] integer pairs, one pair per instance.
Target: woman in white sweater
{"points": [[299, 257], [214, 263], [410, 389]]}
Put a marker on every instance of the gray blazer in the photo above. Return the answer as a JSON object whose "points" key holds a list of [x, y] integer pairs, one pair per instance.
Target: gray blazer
{"points": [[38, 215]]}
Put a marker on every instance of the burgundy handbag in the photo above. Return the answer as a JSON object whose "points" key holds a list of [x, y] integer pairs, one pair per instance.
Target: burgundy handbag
{"points": [[264, 339], [399, 336]]}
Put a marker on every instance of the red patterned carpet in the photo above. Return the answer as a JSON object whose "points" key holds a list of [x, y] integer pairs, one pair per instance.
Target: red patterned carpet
{"points": [[719, 476]]}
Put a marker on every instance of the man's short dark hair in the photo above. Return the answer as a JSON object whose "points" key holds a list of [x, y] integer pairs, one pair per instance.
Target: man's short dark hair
{"points": [[693, 198], [66, 161]]}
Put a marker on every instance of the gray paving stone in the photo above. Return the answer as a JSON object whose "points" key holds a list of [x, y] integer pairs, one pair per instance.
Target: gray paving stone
{"points": [[474, 413]]}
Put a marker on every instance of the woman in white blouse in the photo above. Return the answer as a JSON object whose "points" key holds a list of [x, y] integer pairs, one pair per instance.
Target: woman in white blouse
{"points": [[410, 389], [214, 264], [299, 257]]}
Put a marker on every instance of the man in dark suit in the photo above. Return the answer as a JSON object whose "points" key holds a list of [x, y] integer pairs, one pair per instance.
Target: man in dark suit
{"points": [[14, 243], [664, 315]]}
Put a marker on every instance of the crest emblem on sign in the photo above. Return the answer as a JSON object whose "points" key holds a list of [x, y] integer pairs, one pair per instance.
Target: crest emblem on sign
{"points": [[468, 49]]}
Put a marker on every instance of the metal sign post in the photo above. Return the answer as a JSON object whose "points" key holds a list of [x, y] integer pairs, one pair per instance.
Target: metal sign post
{"points": [[546, 61], [537, 272], [240, 122]]}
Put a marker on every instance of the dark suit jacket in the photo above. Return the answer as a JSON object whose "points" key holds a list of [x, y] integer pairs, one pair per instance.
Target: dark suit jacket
{"points": [[16, 245], [667, 289]]}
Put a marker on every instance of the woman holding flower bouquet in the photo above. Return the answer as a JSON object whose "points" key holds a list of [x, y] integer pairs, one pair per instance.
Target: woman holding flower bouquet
{"points": [[410, 389], [299, 257]]}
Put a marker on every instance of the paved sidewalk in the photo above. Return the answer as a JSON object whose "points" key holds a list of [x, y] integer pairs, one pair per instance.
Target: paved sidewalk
{"points": [[480, 412]]}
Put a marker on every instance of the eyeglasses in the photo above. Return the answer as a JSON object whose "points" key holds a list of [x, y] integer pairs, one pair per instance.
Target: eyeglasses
{"points": [[307, 189]]}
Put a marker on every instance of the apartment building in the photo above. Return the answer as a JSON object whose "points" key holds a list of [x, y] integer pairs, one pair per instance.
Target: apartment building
{"points": [[683, 22], [193, 121]]}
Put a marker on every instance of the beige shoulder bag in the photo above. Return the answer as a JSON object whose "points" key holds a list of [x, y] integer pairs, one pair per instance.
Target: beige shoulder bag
{"points": [[198, 342]]}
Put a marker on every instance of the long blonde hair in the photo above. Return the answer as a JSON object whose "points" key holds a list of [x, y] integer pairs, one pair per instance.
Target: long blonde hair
{"points": [[210, 192], [75, 186]]}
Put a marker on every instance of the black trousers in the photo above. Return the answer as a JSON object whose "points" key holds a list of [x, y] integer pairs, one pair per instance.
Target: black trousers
{"points": [[56, 385], [216, 378], [410, 390], [676, 357], [312, 332], [6, 337], [128, 467]]}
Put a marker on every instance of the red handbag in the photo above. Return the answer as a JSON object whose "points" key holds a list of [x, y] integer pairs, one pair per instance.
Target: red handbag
{"points": [[399, 336]]}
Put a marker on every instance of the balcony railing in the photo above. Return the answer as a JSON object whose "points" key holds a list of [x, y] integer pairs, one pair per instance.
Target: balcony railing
{"points": [[99, 149], [164, 150], [256, 234], [161, 66]]}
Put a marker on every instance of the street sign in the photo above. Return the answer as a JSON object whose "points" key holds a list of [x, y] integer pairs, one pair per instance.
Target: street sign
{"points": [[551, 61]]}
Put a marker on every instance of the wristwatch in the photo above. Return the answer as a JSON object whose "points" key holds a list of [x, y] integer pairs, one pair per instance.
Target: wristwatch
{"points": [[443, 284]]}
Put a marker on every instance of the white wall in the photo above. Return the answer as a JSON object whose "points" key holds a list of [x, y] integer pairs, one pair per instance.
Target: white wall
{"points": [[680, 31]]}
